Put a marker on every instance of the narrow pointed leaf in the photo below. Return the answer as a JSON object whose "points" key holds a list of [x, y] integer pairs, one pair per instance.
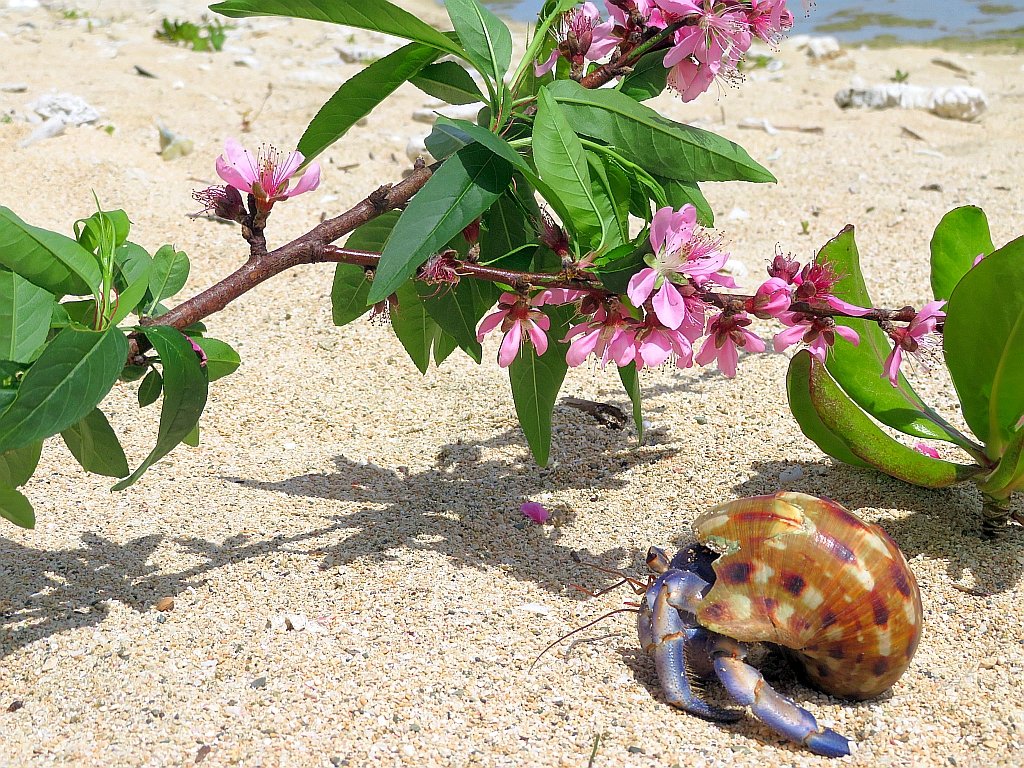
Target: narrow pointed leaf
{"points": [[168, 274], [680, 193], [485, 38], [185, 389], [648, 78], [25, 312], [983, 342], [16, 508], [562, 164], [351, 288], [961, 237], [459, 191], [221, 357], [844, 418], [93, 443], [444, 345], [361, 94], [448, 81], [132, 279], [631, 383], [50, 260], [414, 327], [17, 466], [71, 376], [150, 388], [652, 141], [458, 310], [859, 369], [378, 15]]}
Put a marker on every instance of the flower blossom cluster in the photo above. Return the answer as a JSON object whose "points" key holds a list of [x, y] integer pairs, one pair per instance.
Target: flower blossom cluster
{"points": [[712, 36]]}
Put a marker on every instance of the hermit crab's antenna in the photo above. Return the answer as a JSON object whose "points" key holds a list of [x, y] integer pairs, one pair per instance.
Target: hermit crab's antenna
{"points": [[567, 635]]}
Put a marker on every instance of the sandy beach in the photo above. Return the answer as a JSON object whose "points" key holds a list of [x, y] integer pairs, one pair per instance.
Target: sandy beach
{"points": [[379, 509]]}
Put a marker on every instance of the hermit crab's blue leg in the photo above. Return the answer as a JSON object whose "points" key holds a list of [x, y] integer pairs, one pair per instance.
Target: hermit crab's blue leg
{"points": [[668, 638], [746, 685]]}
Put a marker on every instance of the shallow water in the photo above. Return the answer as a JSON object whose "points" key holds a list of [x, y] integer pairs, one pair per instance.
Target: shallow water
{"points": [[903, 20]]}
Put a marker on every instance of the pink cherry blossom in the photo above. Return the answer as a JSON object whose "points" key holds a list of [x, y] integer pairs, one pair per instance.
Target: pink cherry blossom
{"points": [[815, 284], [654, 344], [535, 511], [915, 338], [646, 10], [582, 36], [683, 258], [519, 320], [772, 298], [727, 334], [927, 450], [267, 175], [610, 335], [818, 333], [769, 19]]}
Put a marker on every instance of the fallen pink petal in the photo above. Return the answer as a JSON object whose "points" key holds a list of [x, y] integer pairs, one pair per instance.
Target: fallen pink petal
{"points": [[535, 511]]}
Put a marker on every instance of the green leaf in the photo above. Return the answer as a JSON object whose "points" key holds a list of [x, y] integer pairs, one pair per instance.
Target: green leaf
{"points": [[168, 274], [378, 15], [648, 78], [844, 419], [654, 142], [17, 466], [859, 369], [414, 326], [960, 238], [535, 384], [983, 343], [192, 438], [679, 193], [1008, 476], [631, 382], [89, 232], [185, 391], [458, 310], [25, 312], [51, 261], [444, 345], [457, 193], [132, 278], [620, 265], [798, 388], [485, 37], [563, 166], [16, 508], [93, 443], [71, 376], [359, 95], [349, 292], [449, 82], [150, 388], [506, 228], [221, 358], [611, 187]]}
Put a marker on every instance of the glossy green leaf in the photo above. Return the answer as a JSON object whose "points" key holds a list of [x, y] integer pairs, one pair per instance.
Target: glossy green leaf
{"points": [[960, 238], [93, 443], [562, 164], [983, 344], [652, 141], [448, 81], [150, 388], [507, 228], [844, 419], [631, 383], [351, 288], [680, 193], [50, 260], [132, 279], [16, 508], [798, 388], [185, 390], [457, 193], [361, 94], [25, 312], [71, 376], [414, 327], [168, 274], [444, 345], [485, 38], [648, 78], [458, 309], [192, 438], [89, 232], [1008, 475], [17, 465], [859, 369], [536, 380], [621, 264], [378, 15], [221, 357], [611, 187]]}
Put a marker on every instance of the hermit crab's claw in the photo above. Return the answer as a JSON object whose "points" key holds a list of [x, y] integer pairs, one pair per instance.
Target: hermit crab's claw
{"points": [[667, 638], [746, 685]]}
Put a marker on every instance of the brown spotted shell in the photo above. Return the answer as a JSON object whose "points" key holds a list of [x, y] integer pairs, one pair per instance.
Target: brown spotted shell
{"points": [[808, 574]]}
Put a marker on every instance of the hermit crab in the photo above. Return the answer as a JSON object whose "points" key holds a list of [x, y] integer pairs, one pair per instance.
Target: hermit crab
{"points": [[798, 572]]}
